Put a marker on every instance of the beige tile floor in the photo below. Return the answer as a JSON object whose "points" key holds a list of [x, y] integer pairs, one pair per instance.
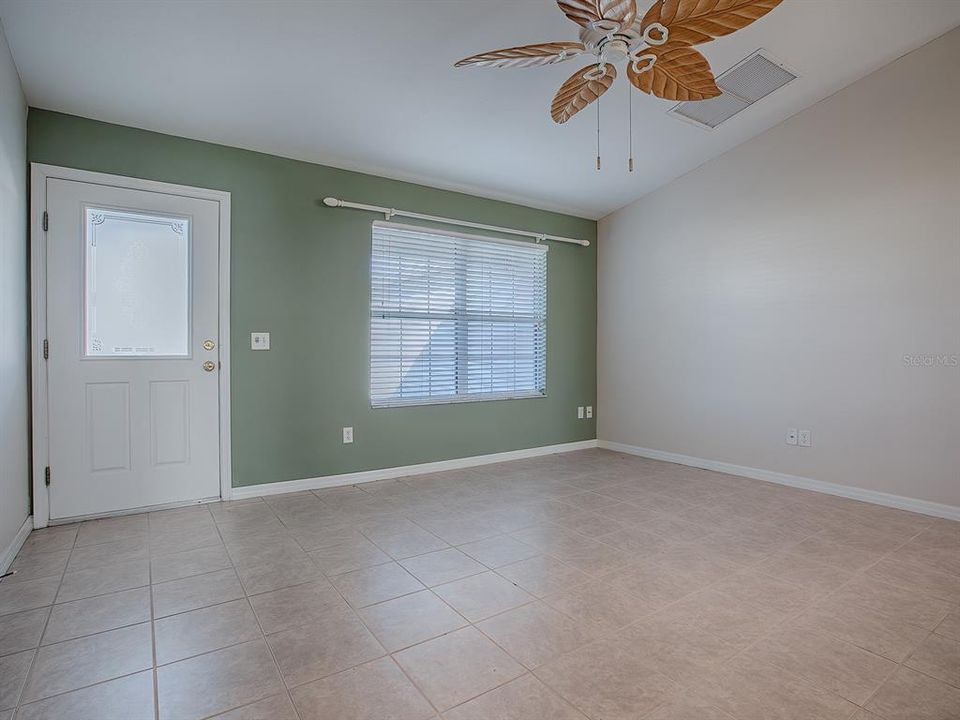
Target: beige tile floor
{"points": [[584, 585]]}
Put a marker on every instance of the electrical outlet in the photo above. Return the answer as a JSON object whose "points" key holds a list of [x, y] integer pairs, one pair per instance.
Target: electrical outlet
{"points": [[259, 341], [589, 411], [804, 439], [580, 413], [347, 435], [791, 436]]}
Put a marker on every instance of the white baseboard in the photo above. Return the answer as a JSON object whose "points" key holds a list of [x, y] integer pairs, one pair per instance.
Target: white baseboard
{"points": [[926, 507], [10, 553], [316, 483]]}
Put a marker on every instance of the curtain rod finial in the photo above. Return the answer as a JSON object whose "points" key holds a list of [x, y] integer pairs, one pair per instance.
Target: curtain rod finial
{"points": [[331, 202]]}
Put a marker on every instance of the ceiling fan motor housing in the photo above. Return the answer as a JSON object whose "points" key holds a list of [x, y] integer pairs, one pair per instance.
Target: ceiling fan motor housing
{"points": [[614, 47], [614, 51]]}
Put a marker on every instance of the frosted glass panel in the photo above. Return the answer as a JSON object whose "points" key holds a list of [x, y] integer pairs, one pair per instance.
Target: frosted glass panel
{"points": [[137, 290]]}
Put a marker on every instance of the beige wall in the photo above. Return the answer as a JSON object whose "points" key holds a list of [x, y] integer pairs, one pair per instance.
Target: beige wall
{"points": [[14, 498], [782, 285]]}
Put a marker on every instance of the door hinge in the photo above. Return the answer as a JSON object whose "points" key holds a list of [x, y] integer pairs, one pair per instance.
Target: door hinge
{"points": [[46, 221], [46, 475], [46, 349]]}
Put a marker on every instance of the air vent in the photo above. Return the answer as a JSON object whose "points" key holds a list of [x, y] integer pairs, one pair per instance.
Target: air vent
{"points": [[745, 83]]}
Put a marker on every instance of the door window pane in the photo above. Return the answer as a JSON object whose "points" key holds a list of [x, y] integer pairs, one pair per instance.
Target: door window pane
{"points": [[137, 285]]}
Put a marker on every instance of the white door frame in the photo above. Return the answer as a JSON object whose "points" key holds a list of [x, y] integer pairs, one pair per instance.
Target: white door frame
{"points": [[39, 175]]}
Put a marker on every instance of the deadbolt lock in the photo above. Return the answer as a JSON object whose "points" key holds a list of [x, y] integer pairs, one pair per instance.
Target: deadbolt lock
{"points": [[209, 365], [208, 345]]}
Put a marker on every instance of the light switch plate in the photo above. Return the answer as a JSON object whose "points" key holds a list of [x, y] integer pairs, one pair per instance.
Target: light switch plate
{"points": [[259, 341], [791, 436], [589, 411], [580, 412]]}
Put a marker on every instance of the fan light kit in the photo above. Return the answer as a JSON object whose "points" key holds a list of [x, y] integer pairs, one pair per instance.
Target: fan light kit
{"points": [[657, 47]]}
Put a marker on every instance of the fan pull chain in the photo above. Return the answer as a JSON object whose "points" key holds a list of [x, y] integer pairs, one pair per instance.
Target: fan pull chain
{"points": [[598, 133], [630, 114]]}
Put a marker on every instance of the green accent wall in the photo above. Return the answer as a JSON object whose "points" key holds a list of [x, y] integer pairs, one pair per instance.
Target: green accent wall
{"points": [[300, 270]]}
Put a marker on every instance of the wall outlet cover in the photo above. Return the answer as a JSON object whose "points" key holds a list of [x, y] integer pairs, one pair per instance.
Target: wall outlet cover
{"points": [[259, 341], [347, 435], [804, 438]]}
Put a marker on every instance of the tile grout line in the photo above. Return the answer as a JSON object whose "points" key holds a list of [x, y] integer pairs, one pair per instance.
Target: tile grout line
{"points": [[84, 687], [470, 624], [853, 576], [155, 675], [773, 626], [748, 567], [390, 654], [46, 623], [359, 617], [263, 635]]}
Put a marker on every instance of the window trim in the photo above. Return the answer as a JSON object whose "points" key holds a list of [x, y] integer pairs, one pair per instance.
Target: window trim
{"points": [[460, 397]]}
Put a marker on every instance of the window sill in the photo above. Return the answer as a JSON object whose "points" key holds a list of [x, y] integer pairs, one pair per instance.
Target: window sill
{"points": [[457, 400]]}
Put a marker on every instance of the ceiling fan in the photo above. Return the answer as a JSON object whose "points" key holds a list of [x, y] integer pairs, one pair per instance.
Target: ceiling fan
{"points": [[657, 46]]}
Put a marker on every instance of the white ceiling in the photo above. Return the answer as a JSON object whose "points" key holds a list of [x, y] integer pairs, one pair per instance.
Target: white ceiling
{"points": [[370, 85]]}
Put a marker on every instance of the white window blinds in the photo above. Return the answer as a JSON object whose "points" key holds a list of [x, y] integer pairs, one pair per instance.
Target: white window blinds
{"points": [[455, 317]]}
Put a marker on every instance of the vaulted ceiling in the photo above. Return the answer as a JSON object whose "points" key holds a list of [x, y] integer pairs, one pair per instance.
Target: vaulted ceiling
{"points": [[371, 86]]}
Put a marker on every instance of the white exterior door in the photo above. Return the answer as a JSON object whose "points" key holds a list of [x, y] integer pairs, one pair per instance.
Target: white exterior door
{"points": [[132, 325]]}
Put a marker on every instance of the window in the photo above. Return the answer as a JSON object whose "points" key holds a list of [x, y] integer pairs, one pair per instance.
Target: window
{"points": [[455, 318], [137, 284]]}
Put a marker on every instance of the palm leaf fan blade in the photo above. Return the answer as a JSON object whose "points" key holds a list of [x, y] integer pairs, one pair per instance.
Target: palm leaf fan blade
{"points": [[524, 55], [580, 89], [698, 21]]}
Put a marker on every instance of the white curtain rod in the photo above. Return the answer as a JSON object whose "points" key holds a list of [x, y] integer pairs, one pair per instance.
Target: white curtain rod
{"points": [[393, 212]]}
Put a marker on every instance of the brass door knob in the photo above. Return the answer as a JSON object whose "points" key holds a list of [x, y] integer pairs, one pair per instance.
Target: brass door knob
{"points": [[208, 345], [209, 366]]}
